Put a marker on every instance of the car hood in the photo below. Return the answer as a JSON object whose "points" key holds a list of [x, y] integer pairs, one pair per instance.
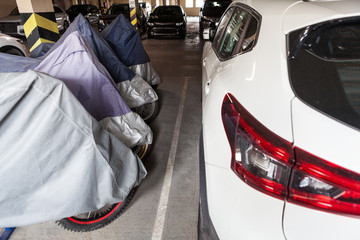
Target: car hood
{"points": [[11, 18], [166, 18], [211, 18]]}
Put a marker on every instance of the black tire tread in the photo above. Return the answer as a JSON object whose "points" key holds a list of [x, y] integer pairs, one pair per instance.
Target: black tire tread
{"points": [[74, 227]]}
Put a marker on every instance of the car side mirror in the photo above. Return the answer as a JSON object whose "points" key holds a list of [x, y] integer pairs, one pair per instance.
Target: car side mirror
{"points": [[209, 33]]}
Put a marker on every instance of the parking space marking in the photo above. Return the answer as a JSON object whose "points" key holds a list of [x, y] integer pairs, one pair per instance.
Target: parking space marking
{"points": [[165, 191]]}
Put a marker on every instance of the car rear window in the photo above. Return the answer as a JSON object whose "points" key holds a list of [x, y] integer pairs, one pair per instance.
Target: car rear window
{"points": [[324, 68], [214, 7], [117, 9]]}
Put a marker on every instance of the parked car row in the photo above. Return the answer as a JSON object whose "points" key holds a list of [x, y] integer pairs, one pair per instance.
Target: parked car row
{"points": [[124, 9], [163, 21]]}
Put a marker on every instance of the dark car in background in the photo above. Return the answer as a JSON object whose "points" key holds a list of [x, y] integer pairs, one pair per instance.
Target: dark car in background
{"points": [[211, 12], [167, 21], [124, 8], [89, 11], [12, 25]]}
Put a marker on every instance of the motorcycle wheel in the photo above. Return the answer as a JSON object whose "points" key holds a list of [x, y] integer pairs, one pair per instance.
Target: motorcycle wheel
{"points": [[91, 221], [148, 112], [143, 151]]}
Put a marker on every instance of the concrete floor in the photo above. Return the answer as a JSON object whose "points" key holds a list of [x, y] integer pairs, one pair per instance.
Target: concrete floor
{"points": [[165, 206]]}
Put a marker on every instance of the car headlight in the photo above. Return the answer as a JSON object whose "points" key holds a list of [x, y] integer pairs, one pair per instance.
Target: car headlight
{"points": [[20, 29], [179, 24], [150, 24]]}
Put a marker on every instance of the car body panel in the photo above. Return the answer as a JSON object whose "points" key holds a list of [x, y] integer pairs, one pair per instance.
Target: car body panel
{"points": [[62, 18], [307, 13], [232, 204], [259, 80], [7, 41], [305, 223], [329, 140], [169, 24]]}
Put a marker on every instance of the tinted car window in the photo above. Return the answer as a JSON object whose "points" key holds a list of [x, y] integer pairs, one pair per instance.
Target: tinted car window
{"points": [[324, 65], [168, 11], [117, 9], [236, 33], [57, 10], [222, 25], [215, 8]]}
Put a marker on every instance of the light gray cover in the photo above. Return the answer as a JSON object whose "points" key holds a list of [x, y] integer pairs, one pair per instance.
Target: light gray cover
{"points": [[56, 159], [146, 71]]}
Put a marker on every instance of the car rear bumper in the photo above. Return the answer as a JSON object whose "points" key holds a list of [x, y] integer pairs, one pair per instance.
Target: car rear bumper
{"points": [[166, 31], [206, 229]]}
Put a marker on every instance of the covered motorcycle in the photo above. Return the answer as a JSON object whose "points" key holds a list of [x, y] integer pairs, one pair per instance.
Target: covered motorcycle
{"points": [[125, 40], [74, 62], [134, 90], [56, 159]]}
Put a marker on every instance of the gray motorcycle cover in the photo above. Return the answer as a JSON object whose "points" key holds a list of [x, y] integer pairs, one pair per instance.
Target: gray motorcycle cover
{"points": [[56, 159]]}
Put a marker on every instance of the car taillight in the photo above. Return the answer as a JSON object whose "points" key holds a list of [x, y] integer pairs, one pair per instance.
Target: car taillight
{"points": [[319, 184], [266, 162], [259, 157]]}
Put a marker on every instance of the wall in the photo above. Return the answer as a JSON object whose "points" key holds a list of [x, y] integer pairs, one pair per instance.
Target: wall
{"points": [[6, 7], [64, 4], [189, 11]]}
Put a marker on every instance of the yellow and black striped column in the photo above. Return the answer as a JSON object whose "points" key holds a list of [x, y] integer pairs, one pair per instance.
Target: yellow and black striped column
{"points": [[38, 19], [133, 18]]}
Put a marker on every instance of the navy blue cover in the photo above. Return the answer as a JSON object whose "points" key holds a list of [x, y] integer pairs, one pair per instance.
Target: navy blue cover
{"points": [[125, 40]]}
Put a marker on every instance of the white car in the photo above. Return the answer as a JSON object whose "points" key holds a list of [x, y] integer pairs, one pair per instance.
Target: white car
{"points": [[13, 45], [279, 156]]}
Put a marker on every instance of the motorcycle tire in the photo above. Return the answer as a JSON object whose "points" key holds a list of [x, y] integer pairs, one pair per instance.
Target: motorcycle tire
{"points": [[143, 151], [148, 112], [96, 219]]}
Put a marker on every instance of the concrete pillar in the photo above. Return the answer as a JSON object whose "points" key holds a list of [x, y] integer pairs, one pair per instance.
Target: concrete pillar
{"points": [[153, 4], [38, 19], [133, 8]]}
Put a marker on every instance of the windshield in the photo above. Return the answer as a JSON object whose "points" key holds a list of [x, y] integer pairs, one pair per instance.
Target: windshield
{"points": [[117, 9], [215, 8], [324, 65], [78, 8], [168, 11]]}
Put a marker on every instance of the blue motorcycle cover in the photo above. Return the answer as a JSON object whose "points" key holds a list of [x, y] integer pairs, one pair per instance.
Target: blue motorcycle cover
{"points": [[125, 40]]}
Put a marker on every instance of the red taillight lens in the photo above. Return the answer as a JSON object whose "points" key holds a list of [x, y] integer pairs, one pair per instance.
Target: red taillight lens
{"points": [[259, 157], [266, 162], [319, 184]]}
